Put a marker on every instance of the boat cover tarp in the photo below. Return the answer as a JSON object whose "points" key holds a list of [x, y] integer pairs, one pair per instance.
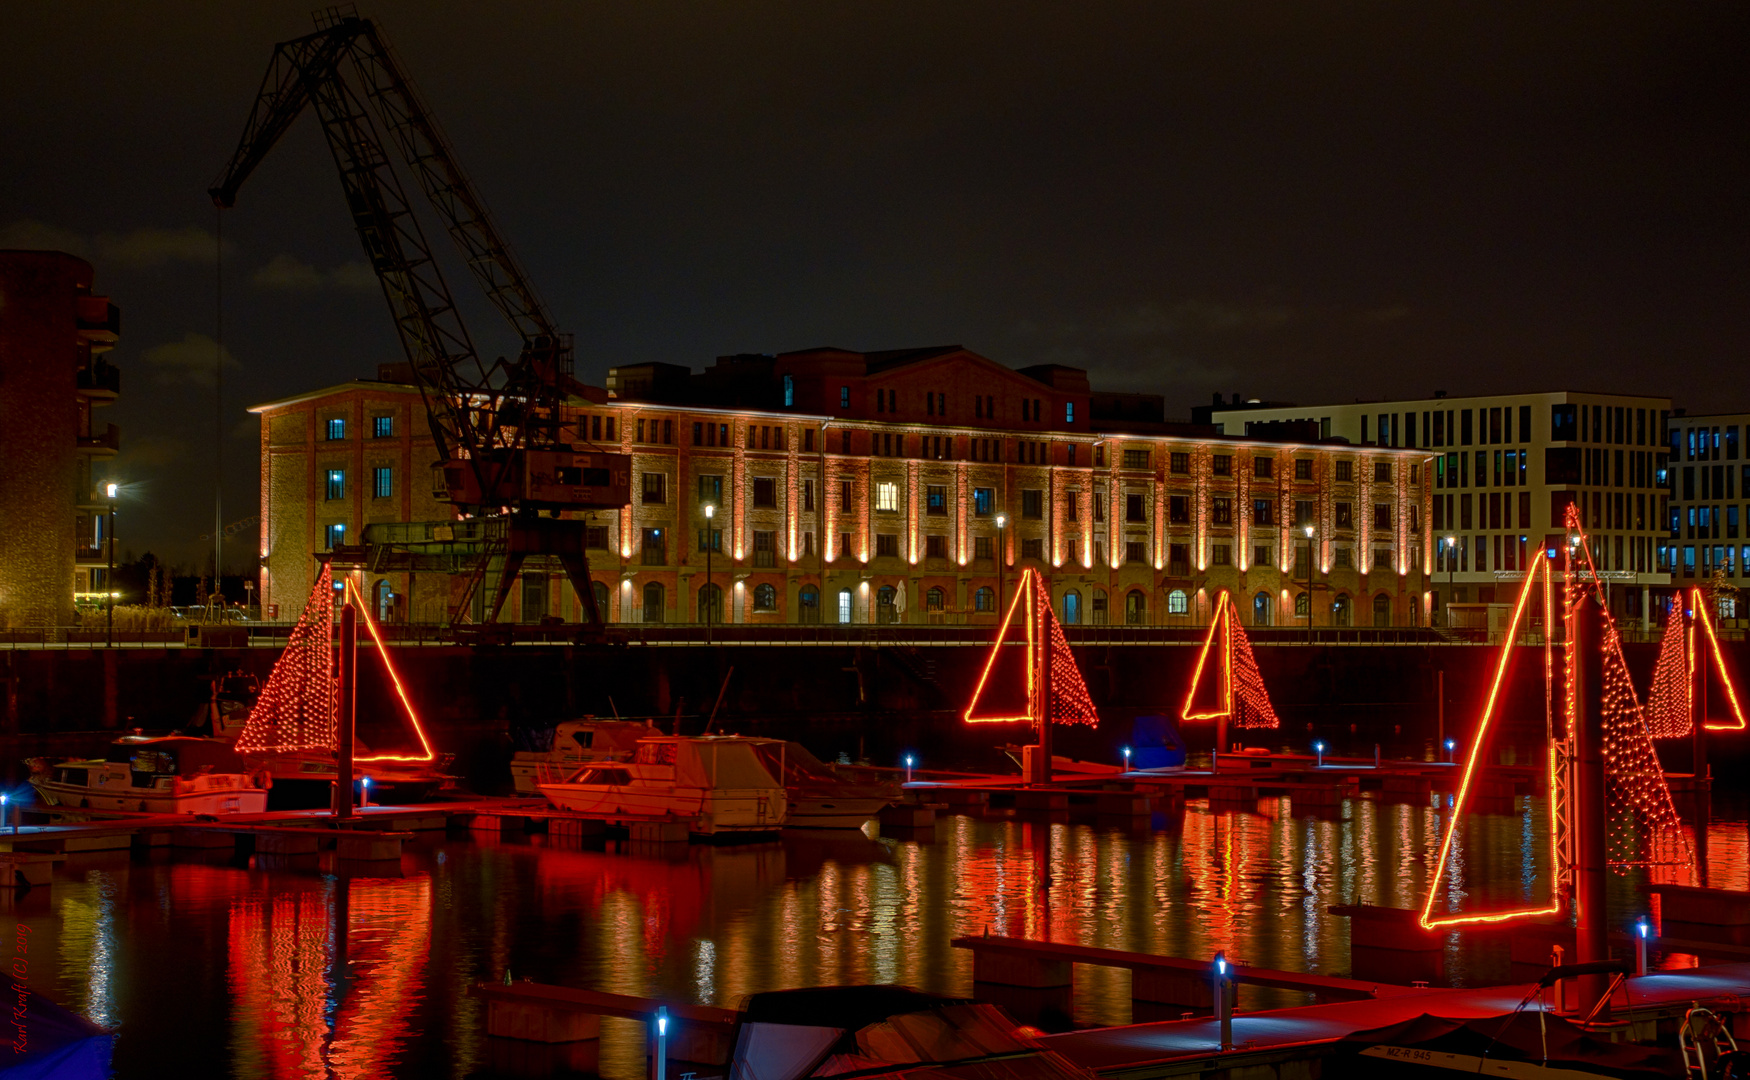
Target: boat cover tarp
{"points": [[57, 1044], [735, 765], [789, 1034], [1514, 1037]]}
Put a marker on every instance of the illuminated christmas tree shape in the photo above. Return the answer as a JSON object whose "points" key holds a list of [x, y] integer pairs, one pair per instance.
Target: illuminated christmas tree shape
{"points": [[1226, 682], [1014, 695], [298, 710], [1642, 824]]}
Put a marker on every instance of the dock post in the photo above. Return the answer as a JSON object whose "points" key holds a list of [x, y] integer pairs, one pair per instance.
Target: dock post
{"points": [[349, 639], [661, 1042], [1590, 930], [1224, 1010]]}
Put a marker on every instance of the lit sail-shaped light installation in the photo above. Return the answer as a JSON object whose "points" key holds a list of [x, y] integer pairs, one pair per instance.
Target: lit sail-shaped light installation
{"points": [[1052, 682], [1690, 641], [1668, 699], [1228, 685]]}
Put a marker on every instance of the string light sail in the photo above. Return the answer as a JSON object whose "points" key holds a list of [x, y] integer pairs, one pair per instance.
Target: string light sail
{"points": [[1051, 681], [1642, 825], [297, 709], [1231, 688], [1668, 700], [1704, 618]]}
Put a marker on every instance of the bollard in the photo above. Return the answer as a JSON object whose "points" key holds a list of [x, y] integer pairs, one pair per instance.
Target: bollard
{"points": [[1319, 749], [1223, 1006], [1642, 929], [661, 1042], [908, 762], [1126, 759], [1555, 960], [1376, 755]]}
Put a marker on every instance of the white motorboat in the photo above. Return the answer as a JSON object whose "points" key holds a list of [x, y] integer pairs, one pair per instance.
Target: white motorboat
{"points": [[174, 774], [826, 796], [576, 743], [716, 784]]}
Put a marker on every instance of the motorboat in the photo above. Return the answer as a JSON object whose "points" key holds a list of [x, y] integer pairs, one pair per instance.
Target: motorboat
{"points": [[715, 784], [172, 774], [304, 780], [824, 796], [575, 743]]}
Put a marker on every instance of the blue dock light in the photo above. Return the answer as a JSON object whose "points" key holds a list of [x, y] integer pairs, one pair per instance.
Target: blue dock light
{"points": [[1126, 753], [661, 1054], [1451, 745], [1319, 749], [1643, 931], [365, 791], [1222, 993], [6, 812], [908, 765]]}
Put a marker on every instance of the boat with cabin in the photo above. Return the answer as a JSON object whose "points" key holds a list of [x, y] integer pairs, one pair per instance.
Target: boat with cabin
{"points": [[715, 784], [576, 743], [169, 774], [833, 796]]}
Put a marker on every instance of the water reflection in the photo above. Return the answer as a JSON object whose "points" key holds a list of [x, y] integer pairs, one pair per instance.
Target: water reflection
{"points": [[251, 970]]}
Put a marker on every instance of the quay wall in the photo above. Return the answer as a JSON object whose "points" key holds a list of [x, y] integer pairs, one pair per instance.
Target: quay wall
{"points": [[873, 701]]}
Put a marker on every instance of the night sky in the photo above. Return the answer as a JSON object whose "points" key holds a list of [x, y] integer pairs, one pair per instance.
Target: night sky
{"points": [[1300, 201]]}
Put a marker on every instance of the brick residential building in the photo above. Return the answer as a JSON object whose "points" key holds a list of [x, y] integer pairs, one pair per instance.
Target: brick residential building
{"points": [[53, 378], [858, 487]]}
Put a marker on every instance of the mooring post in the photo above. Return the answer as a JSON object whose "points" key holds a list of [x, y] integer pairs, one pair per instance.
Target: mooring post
{"points": [[1223, 978], [1591, 924], [349, 639]]}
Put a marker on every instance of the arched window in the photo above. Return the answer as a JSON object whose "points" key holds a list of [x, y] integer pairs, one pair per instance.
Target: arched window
{"points": [[600, 590], [884, 604], [1261, 609], [935, 599], [1382, 610], [1302, 605], [1178, 603], [711, 603], [844, 605], [985, 599], [765, 597], [1097, 612], [1341, 614], [383, 600], [1135, 607], [1072, 608], [653, 602], [808, 601]]}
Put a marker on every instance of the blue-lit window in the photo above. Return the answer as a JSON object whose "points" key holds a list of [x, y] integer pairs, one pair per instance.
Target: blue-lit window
{"points": [[983, 501], [789, 392], [336, 487], [336, 535], [382, 427], [1069, 412], [383, 482], [844, 397], [336, 428]]}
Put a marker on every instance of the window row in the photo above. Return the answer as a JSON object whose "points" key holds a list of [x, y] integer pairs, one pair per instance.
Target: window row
{"points": [[382, 483], [382, 427]]}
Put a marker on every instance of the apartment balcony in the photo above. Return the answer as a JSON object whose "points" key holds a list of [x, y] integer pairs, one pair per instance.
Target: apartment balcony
{"points": [[100, 380], [90, 555], [99, 322], [104, 445]]}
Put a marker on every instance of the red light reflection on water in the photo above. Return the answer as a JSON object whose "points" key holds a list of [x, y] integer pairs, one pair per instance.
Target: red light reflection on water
{"points": [[328, 974]]}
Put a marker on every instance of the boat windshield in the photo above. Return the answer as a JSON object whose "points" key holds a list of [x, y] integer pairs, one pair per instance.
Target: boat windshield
{"points": [[597, 774]]}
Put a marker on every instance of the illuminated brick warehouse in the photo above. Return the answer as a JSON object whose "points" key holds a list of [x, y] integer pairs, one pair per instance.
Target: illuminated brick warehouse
{"points": [[850, 487]]}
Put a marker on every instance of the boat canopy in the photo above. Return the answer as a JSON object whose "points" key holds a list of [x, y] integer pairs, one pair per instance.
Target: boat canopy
{"points": [[176, 754]]}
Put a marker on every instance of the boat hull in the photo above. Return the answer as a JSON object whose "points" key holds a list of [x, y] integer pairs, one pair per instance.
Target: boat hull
{"points": [[832, 812], [236, 800], [706, 813]]}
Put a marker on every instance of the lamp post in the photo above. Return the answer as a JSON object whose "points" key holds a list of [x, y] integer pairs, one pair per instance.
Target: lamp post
{"points": [[710, 546], [1309, 570], [109, 575], [1002, 550], [1451, 569]]}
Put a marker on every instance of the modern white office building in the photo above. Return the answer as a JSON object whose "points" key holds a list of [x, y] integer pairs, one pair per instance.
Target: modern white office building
{"points": [[1506, 468], [1710, 503]]}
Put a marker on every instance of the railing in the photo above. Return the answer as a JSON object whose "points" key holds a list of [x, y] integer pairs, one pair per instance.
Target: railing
{"points": [[111, 440], [100, 376]]}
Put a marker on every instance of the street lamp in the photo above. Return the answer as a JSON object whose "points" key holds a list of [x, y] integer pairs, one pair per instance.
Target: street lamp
{"points": [[710, 545], [109, 576], [1001, 550], [1309, 570], [1451, 568]]}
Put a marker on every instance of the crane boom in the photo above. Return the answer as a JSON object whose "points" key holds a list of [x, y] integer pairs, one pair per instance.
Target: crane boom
{"points": [[502, 439]]}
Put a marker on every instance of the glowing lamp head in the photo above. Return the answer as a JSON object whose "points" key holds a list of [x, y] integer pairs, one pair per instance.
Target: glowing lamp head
{"points": [[111, 490], [1451, 743], [1126, 753], [662, 1020], [1001, 520], [1319, 746], [1452, 541], [3, 798], [1309, 532], [710, 511], [1642, 928], [908, 761], [1221, 964]]}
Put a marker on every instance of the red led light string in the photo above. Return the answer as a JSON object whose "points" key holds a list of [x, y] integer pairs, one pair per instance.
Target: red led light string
{"points": [[1069, 701], [395, 678], [1242, 695], [297, 708], [1668, 700], [1704, 616]]}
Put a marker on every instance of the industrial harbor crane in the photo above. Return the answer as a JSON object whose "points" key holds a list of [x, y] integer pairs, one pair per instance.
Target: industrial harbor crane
{"points": [[505, 449]]}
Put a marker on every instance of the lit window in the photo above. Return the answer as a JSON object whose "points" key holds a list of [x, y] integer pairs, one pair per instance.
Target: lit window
{"points": [[382, 427], [887, 497], [936, 499], [336, 428], [336, 488], [1069, 412], [765, 597], [336, 535], [984, 501], [844, 400], [789, 392], [1177, 602], [383, 481]]}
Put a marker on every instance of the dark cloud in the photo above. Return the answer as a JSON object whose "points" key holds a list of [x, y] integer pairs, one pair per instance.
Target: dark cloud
{"points": [[1308, 200]]}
